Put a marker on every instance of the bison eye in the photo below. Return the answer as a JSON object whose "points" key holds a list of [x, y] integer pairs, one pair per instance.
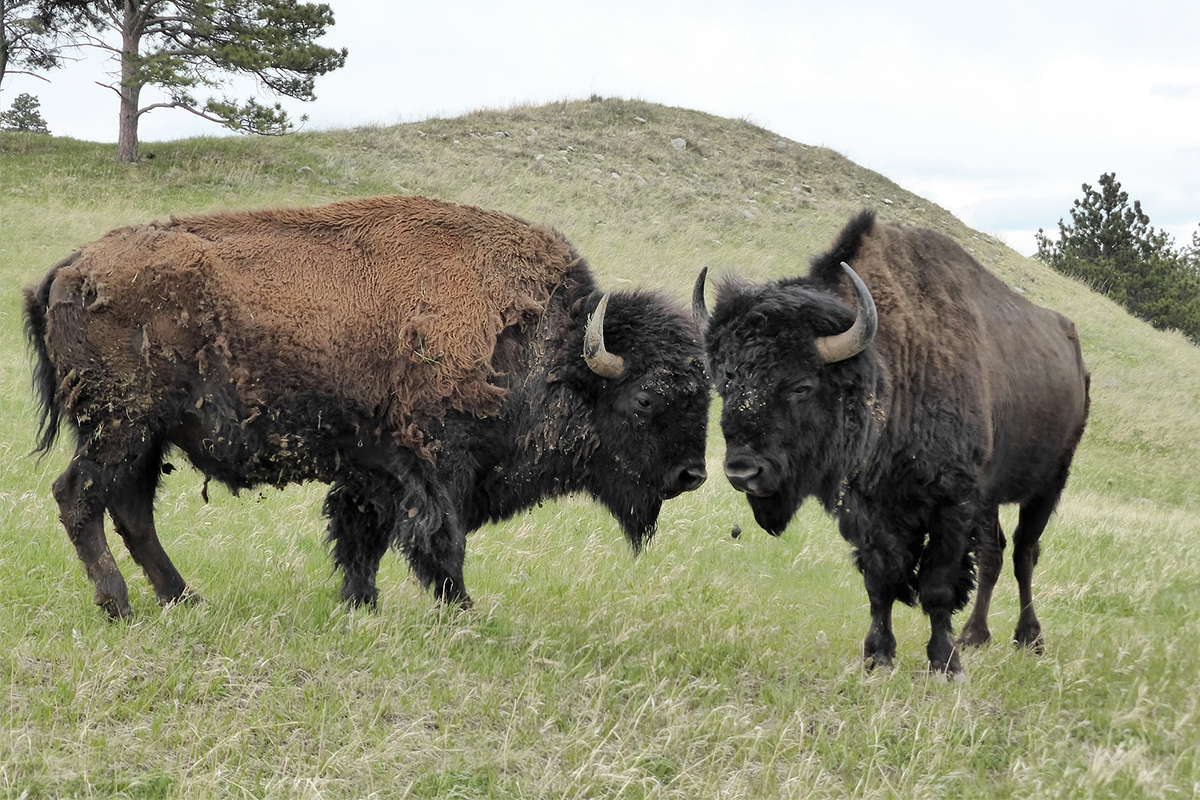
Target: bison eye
{"points": [[802, 389], [641, 404]]}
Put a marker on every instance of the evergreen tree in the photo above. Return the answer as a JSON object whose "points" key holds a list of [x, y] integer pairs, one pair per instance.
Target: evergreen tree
{"points": [[1112, 246], [24, 115], [1191, 255], [182, 45], [33, 33]]}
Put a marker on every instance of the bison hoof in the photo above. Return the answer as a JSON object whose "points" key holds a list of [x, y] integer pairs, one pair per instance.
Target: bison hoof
{"points": [[370, 603], [116, 608], [460, 602], [878, 661], [945, 675], [973, 636], [187, 597], [951, 669], [1030, 640]]}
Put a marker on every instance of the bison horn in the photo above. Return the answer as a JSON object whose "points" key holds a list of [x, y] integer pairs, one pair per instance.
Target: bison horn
{"points": [[699, 310], [853, 341], [599, 360]]}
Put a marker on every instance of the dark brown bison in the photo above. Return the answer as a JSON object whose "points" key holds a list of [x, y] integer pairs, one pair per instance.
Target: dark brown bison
{"points": [[911, 403], [440, 365]]}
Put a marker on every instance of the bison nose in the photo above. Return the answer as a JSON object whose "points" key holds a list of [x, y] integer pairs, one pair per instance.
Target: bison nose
{"points": [[744, 471], [685, 479]]}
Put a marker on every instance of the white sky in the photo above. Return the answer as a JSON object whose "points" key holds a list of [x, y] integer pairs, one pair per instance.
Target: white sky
{"points": [[998, 112]]}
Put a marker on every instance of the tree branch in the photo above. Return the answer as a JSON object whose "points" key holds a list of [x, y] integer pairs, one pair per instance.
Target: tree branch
{"points": [[185, 107], [108, 86], [8, 72]]}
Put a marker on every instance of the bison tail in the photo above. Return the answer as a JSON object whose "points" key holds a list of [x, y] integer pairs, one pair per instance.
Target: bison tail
{"points": [[45, 376]]}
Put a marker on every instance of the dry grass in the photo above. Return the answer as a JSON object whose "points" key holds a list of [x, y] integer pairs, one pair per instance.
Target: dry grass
{"points": [[709, 667]]}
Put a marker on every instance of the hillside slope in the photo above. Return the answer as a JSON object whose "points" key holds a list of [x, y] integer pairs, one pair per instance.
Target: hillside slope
{"points": [[706, 667], [605, 173]]}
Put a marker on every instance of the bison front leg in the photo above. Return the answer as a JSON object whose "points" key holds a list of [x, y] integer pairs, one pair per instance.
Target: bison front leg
{"points": [[437, 561], [360, 525], [432, 536], [944, 581], [370, 513], [879, 648], [80, 492], [884, 563], [880, 573]]}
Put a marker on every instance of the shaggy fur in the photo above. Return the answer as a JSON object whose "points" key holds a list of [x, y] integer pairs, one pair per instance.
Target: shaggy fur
{"points": [[391, 303], [422, 357], [969, 397]]}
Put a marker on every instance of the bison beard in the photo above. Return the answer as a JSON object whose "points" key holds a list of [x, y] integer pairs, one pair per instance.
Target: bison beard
{"points": [[910, 409], [426, 359]]}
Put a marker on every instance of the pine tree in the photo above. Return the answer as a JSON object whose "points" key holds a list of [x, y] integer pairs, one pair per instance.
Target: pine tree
{"points": [[33, 33], [24, 115], [182, 45], [1112, 246]]}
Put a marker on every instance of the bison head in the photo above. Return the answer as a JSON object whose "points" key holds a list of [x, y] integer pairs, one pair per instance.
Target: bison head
{"points": [[645, 398], [789, 365]]}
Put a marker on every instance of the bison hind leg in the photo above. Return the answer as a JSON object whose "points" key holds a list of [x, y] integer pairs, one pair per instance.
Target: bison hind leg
{"points": [[975, 632], [1026, 548], [131, 505], [80, 492]]}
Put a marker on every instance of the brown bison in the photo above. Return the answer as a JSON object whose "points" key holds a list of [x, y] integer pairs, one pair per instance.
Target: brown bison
{"points": [[911, 419], [440, 365]]}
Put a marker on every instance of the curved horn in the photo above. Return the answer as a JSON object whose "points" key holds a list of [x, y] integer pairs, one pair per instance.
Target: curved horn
{"points": [[853, 341], [699, 310], [599, 360]]}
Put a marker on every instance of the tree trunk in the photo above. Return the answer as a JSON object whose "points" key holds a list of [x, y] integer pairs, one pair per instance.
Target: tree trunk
{"points": [[127, 135], [131, 83], [3, 41]]}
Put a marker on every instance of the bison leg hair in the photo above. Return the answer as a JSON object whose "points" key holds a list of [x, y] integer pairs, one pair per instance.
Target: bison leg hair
{"points": [[433, 538], [944, 579], [879, 648], [131, 504], [360, 525], [1030, 524], [407, 510], [438, 564], [80, 494], [975, 632]]}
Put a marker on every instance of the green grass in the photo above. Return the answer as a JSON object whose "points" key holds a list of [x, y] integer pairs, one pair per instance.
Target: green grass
{"points": [[707, 667]]}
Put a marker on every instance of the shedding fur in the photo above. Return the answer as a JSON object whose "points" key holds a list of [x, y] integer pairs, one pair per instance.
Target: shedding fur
{"points": [[394, 304], [425, 359]]}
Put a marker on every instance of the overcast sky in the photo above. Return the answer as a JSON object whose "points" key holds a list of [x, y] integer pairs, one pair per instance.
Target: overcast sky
{"points": [[998, 112]]}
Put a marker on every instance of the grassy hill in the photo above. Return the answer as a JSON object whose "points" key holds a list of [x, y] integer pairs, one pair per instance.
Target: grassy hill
{"points": [[709, 666]]}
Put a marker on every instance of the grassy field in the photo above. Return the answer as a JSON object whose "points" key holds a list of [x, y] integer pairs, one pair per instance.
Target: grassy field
{"points": [[708, 667]]}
